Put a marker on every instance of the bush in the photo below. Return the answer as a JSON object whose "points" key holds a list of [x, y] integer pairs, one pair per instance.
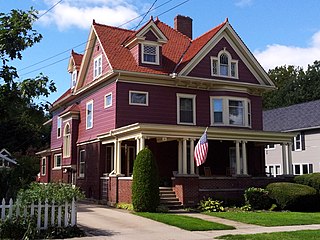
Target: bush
{"points": [[210, 205], [145, 185], [125, 206], [292, 196], [257, 198], [312, 180], [18, 228]]}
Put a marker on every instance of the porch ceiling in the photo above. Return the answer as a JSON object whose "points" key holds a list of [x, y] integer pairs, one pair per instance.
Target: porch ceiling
{"points": [[169, 132]]}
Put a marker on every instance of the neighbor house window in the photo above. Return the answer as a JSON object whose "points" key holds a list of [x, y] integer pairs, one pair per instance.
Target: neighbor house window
{"points": [[230, 111], [66, 141], [57, 161], [81, 163], [73, 78], [270, 146], [224, 65], [43, 166], [186, 109], [297, 143], [59, 123], [108, 100], [302, 168], [138, 98], [89, 115], [150, 54], [97, 66], [273, 170]]}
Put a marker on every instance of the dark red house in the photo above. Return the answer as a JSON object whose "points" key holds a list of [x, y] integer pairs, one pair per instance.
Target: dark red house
{"points": [[160, 88]]}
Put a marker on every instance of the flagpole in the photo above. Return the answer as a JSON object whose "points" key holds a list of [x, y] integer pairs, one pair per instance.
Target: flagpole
{"points": [[206, 129]]}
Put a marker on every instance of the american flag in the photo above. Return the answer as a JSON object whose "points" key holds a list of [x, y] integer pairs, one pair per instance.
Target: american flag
{"points": [[201, 150]]}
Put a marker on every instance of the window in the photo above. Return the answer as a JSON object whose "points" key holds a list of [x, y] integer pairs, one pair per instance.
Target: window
{"points": [[59, 122], [81, 163], [150, 54], [270, 146], [66, 141], [43, 166], [224, 65], [138, 98], [302, 168], [57, 161], [73, 78], [186, 109], [97, 66], [297, 143], [273, 170], [230, 111], [89, 115], [108, 100]]}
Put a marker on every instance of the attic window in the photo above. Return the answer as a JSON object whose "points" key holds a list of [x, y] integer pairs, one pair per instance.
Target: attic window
{"points": [[73, 78], [150, 54], [97, 66], [224, 65]]}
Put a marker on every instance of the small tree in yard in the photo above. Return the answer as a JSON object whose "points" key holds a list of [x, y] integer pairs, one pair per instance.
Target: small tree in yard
{"points": [[145, 186]]}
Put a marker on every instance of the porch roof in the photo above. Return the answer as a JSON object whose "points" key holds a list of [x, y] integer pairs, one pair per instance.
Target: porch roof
{"points": [[164, 132]]}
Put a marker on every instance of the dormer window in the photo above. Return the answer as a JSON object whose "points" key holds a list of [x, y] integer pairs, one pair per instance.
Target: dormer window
{"points": [[97, 66], [150, 54], [73, 78], [224, 65]]}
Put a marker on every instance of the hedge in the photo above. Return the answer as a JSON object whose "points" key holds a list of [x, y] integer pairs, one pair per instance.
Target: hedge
{"points": [[312, 180]]}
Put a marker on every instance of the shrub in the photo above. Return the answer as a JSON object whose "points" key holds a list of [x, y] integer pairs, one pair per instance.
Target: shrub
{"points": [[210, 205], [126, 206], [312, 180], [145, 185], [292, 196], [18, 228], [257, 198]]}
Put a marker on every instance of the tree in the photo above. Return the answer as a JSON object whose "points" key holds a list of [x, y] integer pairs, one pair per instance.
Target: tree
{"points": [[145, 185], [21, 116]]}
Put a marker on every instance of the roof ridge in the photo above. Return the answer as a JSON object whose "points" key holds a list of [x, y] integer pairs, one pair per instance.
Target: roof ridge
{"points": [[207, 32], [113, 27]]}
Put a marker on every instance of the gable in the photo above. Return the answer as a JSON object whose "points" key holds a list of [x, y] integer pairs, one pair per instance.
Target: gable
{"points": [[203, 68], [150, 36]]}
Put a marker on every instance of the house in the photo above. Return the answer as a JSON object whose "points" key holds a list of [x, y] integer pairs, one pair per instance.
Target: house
{"points": [[304, 121], [158, 87], [6, 160]]}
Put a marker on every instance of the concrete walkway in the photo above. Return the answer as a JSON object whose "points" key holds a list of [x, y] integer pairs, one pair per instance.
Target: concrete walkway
{"points": [[102, 222]]}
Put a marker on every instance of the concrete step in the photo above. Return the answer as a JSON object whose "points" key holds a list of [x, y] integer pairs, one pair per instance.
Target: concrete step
{"points": [[168, 198]]}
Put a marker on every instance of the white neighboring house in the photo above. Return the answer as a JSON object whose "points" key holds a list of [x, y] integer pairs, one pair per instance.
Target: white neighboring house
{"points": [[6, 159], [304, 120]]}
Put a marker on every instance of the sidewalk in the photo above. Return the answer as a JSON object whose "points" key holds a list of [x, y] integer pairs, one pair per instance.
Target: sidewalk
{"points": [[102, 222]]}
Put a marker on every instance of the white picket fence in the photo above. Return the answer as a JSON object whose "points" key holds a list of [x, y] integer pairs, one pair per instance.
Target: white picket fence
{"points": [[46, 214]]}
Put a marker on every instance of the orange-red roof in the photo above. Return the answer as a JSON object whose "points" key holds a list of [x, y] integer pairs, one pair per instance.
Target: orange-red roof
{"points": [[77, 57], [64, 95], [71, 108]]}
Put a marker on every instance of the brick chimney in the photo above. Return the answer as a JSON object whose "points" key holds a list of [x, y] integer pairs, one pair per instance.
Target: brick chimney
{"points": [[183, 24]]}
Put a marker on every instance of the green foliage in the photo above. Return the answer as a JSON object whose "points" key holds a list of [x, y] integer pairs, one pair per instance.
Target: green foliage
{"points": [[292, 196], [145, 185], [57, 192], [126, 206], [18, 228], [257, 198], [61, 233], [312, 180], [210, 205], [162, 209], [246, 208]]}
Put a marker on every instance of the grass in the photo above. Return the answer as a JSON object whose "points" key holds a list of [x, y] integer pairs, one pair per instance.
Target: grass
{"points": [[296, 235], [269, 219], [184, 222]]}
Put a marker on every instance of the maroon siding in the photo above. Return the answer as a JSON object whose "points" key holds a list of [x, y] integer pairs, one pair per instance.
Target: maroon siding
{"points": [[203, 68], [162, 107], [103, 118], [150, 36], [55, 142]]}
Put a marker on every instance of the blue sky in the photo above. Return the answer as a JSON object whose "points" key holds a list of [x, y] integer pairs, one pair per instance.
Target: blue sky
{"points": [[278, 32]]}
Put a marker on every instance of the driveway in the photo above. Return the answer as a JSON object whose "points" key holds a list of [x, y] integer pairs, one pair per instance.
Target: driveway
{"points": [[103, 222]]}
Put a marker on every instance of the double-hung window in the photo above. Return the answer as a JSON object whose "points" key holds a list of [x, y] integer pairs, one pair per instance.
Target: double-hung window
{"points": [[223, 65], [297, 143], [97, 66], [186, 109], [150, 54], [59, 123], [89, 115], [138, 98], [303, 168], [73, 78], [43, 166], [236, 112], [67, 141], [108, 100], [57, 161], [82, 163]]}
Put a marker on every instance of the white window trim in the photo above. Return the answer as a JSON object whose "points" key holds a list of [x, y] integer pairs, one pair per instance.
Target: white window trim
{"points": [[105, 100], [66, 137], [157, 53], [81, 175], [212, 59], [274, 168], [295, 143], [301, 168], [88, 103], [190, 96], [94, 64], [59, 119], [55, 161], [73, 79], [139, 104], [44, 159], [225, 111], [270, 148]]}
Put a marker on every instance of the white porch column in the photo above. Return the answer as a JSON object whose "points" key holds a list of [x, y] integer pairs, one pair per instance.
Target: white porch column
{"points": [[244, 158], [179, 157], [284, 159], [142, 143], [191, 156], [114, 165], [184, 157], [118, 168], [137, 145], [238, 163], [290, 158]]}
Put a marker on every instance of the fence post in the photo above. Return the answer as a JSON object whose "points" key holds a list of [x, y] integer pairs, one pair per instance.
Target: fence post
{"points": [[59, 216], [73, 213], [66, 207], [52, 213], [46, 214], [10, 208], [32, 209], [3, 209], [39, 215]]}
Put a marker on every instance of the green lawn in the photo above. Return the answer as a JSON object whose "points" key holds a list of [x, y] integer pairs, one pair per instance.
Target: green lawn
{"points": [[269, 219], [184, 222], [296, 235]]}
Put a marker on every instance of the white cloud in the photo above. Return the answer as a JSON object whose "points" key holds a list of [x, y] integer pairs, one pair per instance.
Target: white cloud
{"points": [[80, 13], [244, 3], [278, 55]]}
